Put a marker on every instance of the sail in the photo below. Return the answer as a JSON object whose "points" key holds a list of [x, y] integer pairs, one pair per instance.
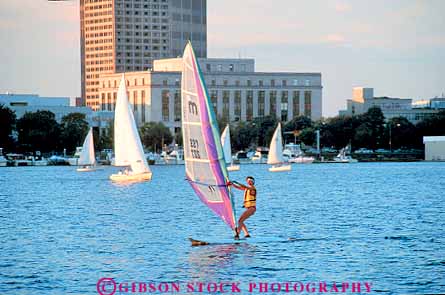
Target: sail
{"points": [[203, 154], [87, 156], [127, 143], [276, 148], [225, 141]]}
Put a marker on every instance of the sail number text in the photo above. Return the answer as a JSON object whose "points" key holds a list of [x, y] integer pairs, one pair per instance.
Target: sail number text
{"points": [[194, 148]]}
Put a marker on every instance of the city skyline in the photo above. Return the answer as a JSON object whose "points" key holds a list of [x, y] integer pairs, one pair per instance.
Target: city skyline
{"points": [[395, 47]]}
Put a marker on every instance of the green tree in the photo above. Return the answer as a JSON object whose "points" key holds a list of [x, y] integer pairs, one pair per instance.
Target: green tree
{"points": [[338, 131], [307, 136], [243, 136], [296, 124], [155, 135], [74, 129], [370, 131], [222, 123], [403, 133], [8, 123], [178, 137], [38, 131], [431, 126], [363, 136], [263, 129], [104, 139]]}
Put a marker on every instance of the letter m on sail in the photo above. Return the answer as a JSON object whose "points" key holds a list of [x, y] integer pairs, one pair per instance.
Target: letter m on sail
{"points": [[193, 108]]}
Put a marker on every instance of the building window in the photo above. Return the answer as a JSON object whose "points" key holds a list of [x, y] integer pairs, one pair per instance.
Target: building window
{"points": [[231, 67], [307, 103], [208, 68], [226, 82], [261, 103], [295, 82], [260, 83], [214, 100], [213, 82], [273, 103], [237, 105], [177, 106], [135, 100], [165, 103], [249, 83], [237, 83], [296, 103], [284, 83], [219, 68], [143, 104], [272, 83], [109, 101], [226, 99], [103, 102], [284, 105], [249, 106], [164, 82], [307, 83]]}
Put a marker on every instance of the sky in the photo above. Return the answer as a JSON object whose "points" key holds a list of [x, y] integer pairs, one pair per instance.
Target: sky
{"points": [[395, 46]]}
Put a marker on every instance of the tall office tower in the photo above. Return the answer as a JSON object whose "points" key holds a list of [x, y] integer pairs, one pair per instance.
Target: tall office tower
{"points": [[127, 35]]}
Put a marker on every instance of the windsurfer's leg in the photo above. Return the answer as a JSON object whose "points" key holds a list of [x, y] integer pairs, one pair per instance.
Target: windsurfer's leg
{"points": [[241, 226]]}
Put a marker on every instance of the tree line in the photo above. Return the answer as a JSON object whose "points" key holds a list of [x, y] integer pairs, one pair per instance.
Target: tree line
{"points": [[369, 130], [39, 131]]}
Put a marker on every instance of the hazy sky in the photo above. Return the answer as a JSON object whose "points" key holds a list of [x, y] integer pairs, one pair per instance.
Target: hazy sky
{"points": [[395, 46]]}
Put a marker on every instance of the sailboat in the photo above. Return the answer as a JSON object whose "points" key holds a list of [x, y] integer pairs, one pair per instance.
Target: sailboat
{"points": [[225, 141], [275, 157], [205, 167], [343, 158], [127, 143], [87, 160]]}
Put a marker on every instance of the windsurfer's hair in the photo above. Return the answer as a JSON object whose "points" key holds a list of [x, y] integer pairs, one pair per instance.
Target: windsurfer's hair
{"points": [[251, 178]]}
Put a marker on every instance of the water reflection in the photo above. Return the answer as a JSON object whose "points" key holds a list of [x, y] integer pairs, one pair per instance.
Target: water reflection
{"points": [[208, 262]]}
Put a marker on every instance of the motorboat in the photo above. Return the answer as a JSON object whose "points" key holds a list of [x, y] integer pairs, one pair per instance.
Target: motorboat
{"points": [[260, 155]]}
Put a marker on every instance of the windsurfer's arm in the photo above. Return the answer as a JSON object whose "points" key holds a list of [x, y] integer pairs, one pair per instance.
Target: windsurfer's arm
{"points": [[237, 185]]}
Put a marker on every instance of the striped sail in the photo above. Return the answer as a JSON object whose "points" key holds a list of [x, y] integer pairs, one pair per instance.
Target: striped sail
{"points": [[203, 154]]}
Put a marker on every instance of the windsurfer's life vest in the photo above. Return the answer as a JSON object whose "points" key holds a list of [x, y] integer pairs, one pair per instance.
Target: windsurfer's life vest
{"points": [[250, 197]]}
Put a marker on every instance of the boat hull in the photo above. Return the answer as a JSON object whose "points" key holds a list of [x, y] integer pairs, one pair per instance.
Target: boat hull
{"points": [[280, 168], [233, 168], [131, 177], [305, 160], [86, 169]]}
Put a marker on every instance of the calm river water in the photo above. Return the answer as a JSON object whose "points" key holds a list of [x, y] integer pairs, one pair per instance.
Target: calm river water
{"points": [[384, 223]]}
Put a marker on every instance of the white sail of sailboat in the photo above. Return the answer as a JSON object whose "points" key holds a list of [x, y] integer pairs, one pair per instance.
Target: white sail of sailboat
{"points": [[225, 141], [127, 143], [87, 159], [275, 157]]}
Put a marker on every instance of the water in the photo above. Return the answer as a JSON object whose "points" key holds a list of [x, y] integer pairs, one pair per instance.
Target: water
{"points": [[61, 231]]}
